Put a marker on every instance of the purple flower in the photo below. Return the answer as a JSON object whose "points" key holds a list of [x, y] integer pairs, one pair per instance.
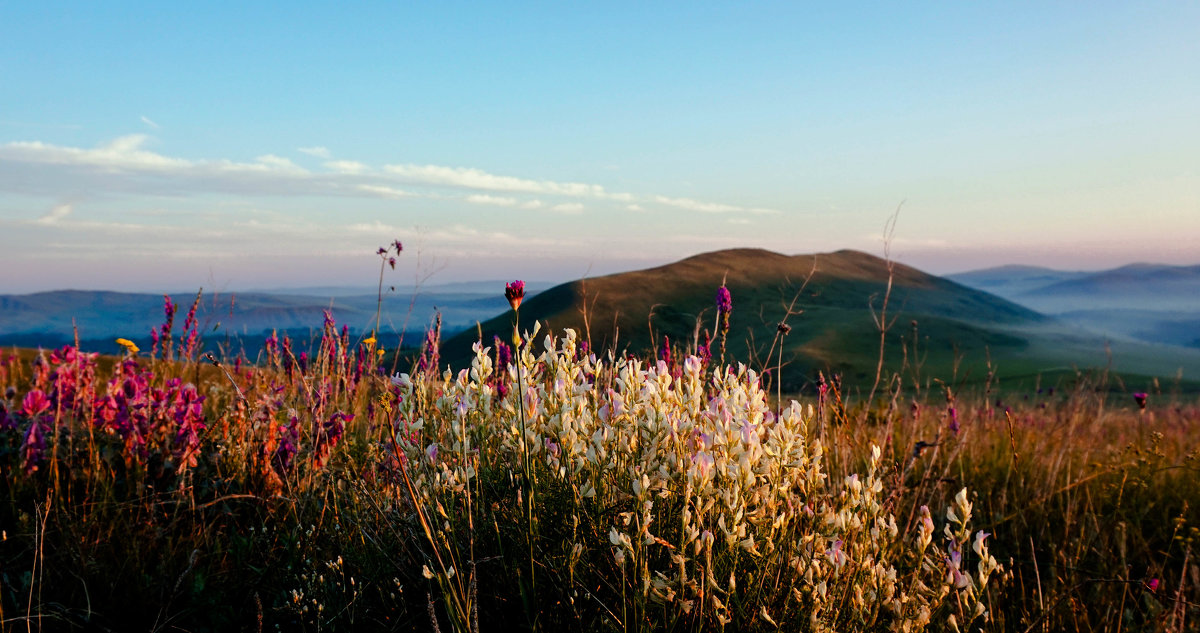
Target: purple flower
{"points": [[724, 300], [664, 352], [33, 448], [35, 403], [329, 434], [1153, 584], [953, 414], [515, 292], [398, 246], [503, 354], [1140, 399], [289, 440]]}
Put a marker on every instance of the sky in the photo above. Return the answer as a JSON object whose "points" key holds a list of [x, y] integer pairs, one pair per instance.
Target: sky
{"points": [[168, 146]]}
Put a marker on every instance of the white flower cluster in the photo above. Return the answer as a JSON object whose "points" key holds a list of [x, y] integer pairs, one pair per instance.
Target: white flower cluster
{"points": [[722, 509]]}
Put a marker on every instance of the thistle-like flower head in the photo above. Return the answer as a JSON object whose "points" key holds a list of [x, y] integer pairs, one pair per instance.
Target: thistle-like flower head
{"points": [[515, 292]]}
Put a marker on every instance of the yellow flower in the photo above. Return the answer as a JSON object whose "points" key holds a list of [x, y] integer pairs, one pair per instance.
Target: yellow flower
{"points": [[128, 345], [369, 341], [381, 351]]}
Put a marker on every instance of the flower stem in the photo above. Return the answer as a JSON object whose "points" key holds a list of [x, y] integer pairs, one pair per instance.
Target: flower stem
{"points": [[526, 480]]}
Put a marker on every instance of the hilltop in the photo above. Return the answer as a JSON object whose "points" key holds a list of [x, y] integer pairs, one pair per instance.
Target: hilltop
{"points": [[956, 328]]}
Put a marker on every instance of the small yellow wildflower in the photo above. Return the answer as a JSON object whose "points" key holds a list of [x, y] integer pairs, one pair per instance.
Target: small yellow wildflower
{"points": [[381, 351], [369, 341], [128, 345]]}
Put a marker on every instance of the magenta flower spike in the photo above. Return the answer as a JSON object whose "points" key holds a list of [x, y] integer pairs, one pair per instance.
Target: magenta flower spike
{"points": [[724, 300], [1140, 399]]}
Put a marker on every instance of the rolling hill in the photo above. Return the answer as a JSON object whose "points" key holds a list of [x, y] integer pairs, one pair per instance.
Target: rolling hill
{"points": [[956, 328], [1147, 302], [50, 319]]}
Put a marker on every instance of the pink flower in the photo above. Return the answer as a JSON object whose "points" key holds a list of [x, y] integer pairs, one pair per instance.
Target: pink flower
{"points": [[35, 403], [515, 292]]}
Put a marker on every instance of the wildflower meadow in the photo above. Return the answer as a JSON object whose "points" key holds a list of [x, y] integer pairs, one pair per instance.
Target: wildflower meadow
{"points": [[340, 483]]}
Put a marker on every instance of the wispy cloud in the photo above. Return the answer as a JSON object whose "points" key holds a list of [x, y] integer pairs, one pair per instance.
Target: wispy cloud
{"points": [[499, 201], [570, 208], [316, 151], [279, 162], [147, 121], [468, 178], [709, 207], [55, 215], [346, 167], [127, 166], [384, 191]]}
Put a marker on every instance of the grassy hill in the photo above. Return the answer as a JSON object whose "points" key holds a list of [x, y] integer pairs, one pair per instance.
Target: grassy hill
{"points": [[956, 329]]}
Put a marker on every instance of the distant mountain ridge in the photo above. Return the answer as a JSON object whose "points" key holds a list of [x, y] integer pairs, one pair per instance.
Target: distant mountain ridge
{"points": [[1152, 302], [52, 318]]}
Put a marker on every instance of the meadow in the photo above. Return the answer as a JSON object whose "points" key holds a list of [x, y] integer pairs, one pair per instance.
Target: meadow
{"points": [[333, 484]]}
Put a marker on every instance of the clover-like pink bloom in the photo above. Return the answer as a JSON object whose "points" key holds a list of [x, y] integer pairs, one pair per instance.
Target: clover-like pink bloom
{"points": [[35, 403]]}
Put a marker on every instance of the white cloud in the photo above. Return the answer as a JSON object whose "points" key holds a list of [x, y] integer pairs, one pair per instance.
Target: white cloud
{"points": [[127, 167], [346, 166], [278, 162], [147, 121], [56, 214], [122, 153], [469, 178], [317, 151], [570, 208], [376, 227], [476, 242], [384, 191], [500, 201], [708, 207]]}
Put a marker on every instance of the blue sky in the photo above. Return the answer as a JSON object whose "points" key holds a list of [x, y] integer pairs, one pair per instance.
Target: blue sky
{"points": [[162, 147]]}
